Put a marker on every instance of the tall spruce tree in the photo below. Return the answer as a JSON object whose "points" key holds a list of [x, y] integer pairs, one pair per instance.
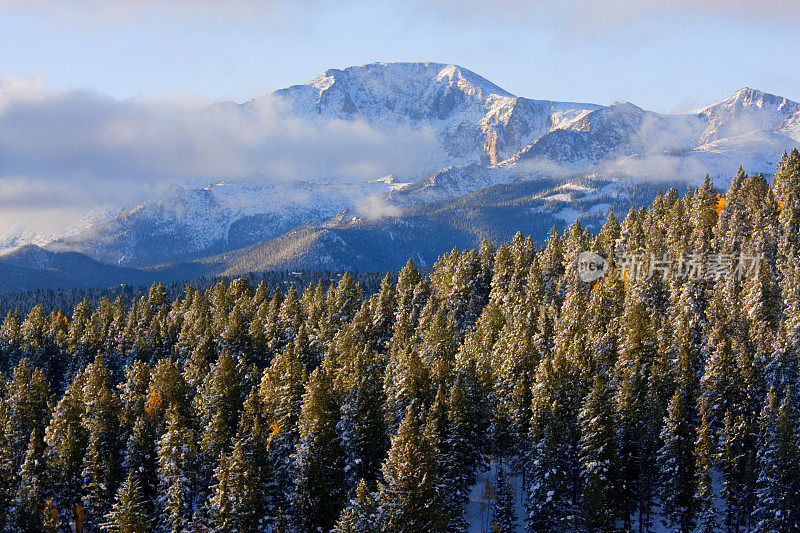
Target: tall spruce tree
{"points": [[676, 460], [598, 457], [409, 500], [704, 463], [319, 492], [778, 485], [129, 513], [361, 515], [177, 474], [504, 518]]}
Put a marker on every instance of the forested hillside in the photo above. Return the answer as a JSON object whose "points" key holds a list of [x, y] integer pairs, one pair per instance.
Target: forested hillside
{"points": [[628, 403]]}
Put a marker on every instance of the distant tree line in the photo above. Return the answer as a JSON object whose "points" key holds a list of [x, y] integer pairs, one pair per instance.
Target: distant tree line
{"points": [[65, 300]]}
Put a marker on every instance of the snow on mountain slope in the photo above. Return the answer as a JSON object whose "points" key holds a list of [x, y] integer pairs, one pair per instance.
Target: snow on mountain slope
{"points": [[489, 138], [183, 222], [19, 234], [618, 130], [450, 182], [623, 141], [473, 118], [749, 110], [749, 129]]}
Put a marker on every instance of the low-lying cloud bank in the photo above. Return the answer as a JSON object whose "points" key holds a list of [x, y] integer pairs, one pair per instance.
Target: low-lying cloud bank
{"points": [[63, 154], [617, 9], [87, 145]]}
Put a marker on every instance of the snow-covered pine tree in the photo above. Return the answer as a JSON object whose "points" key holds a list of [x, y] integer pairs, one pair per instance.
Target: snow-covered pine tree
{"points": [[129, 512], [361, 515], [777, 506], [26, 400], [460, 451], [504, 518], [237, 499], [66, 439], [281, 392], [704, 468], [217, 405], [676, 461], [737, 462], [409, 499], [362, 427], [319, 463], [637, 409], [26, 510], [553, 465], [600, 501], [177, 474], [101, 461]]}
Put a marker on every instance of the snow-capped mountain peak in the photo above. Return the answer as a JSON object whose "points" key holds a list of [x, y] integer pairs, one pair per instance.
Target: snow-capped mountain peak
{"points": [[748, 110], [378, 89], [488, 137], [747, 96], [473, 118], [470, 83]]}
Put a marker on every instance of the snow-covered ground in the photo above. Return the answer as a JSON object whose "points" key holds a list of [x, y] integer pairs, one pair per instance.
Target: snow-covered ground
{"points": [[480, 508]]}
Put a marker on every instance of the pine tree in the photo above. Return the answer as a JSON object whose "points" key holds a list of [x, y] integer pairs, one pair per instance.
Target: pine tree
{"points": [[459, 451], [409, 500], [704, 463], [218, 404], [504, 520], [383, 307], [10, 341], [177, 463], [319, 460], [236, 503], [598, 457], [438, 346], [554, 467], [361, 515], [140, 457], [778, 484], [407, 379], [676, 460], [362, 426], [737, 462], [514, 358], [129, 513], [101, 462], [223, 517], [281, 393], [719, 382], [67, 440], [26, 400], [27, 508], [289, 317]]}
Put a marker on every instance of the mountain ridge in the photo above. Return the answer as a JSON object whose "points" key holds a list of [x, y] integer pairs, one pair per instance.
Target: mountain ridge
{"points": [[493, 141]]}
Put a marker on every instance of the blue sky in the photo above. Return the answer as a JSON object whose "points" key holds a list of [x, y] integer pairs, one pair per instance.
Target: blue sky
{"points": [[665, 56]]}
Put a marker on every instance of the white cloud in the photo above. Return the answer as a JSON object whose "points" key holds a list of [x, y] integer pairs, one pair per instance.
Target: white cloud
{"points": [[85, 134], [83, 150], [577, 13], [375, 207], [17, 90]]}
